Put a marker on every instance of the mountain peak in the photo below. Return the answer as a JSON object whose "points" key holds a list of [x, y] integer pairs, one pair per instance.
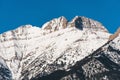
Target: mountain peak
{"points": [[82, 22], [79, 22], [55, 24], [30, 51]]}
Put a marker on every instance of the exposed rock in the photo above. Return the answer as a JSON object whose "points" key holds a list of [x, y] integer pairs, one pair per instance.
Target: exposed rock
{"points": [[116, 34], [5, 73], [78, 22], [86, 23], [55, 24]]}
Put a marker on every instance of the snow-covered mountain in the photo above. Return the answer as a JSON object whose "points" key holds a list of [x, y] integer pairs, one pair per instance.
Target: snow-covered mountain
{"points": [[102, 64], [31, 52]]}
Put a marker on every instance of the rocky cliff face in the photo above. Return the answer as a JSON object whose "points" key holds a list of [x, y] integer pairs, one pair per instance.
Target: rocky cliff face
{"points": [[86, 23], [5, 73], [116, 34], [32, 52], [56, 24], [79, 22]]}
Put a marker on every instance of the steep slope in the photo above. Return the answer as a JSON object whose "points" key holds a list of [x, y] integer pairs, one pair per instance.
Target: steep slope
{"points": [[56, 24], [81, 23], [102, 64], [5, 73], [59, 49], [14, 46], [116, 34], [30, 51]]}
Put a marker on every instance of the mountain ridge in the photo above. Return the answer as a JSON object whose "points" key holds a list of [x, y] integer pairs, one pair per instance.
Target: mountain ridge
{"points": [[30, 50], [65, 22], [112, 70]]}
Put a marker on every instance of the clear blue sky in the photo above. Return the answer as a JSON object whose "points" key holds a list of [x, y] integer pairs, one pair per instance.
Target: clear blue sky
{"points": [[14, 13]]}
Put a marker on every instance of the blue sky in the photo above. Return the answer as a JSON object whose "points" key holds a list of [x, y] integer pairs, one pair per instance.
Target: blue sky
{"points": [[14, 13]]}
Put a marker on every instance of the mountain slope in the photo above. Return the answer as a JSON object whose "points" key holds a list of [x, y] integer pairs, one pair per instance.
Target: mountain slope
{"points": [[102, 64], [5, 73], [30, 51]]}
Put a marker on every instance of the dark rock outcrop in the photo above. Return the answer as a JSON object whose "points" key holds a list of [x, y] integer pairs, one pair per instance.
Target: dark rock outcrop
{"points": [[86, 23], [5, 73]]}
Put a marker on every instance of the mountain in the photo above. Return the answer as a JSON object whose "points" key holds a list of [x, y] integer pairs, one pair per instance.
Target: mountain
{"points": [[59, 45], [102, 64]]}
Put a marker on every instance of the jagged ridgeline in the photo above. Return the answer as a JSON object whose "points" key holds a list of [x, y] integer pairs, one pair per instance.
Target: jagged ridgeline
{"points": [[80, 49]]}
